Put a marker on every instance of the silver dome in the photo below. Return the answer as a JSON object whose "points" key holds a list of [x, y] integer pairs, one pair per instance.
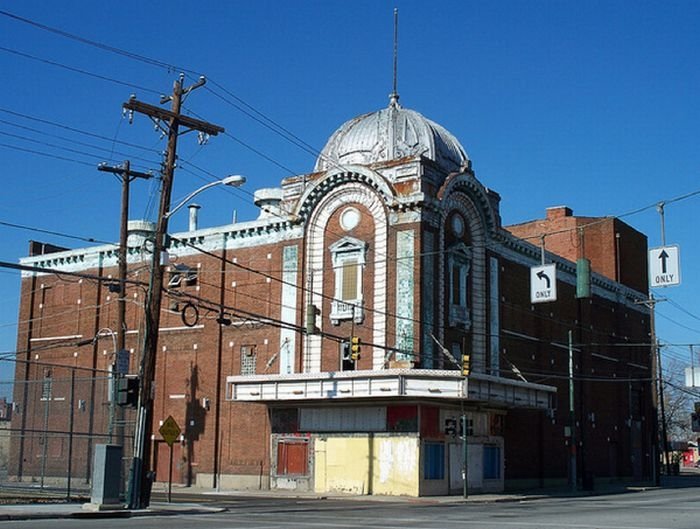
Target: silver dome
{"points": [[388, 134]]}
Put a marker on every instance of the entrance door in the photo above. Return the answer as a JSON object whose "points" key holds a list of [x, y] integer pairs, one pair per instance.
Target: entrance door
{"points": [[475, 470], [162, 461]]}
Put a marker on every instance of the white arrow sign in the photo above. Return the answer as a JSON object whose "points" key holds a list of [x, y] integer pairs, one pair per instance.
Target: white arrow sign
{"points": [[664, 266], [543, 283]]}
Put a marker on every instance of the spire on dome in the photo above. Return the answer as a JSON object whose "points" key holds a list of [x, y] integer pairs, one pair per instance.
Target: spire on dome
{"points": [[394, 96]]}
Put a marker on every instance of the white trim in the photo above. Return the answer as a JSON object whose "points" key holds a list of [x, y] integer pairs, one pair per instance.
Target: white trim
{"points": [[181, 328], [358, 193], [51, 338]]}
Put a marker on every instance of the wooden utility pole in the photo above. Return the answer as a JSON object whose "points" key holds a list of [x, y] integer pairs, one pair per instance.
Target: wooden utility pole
{"points": [[126, 176], [140, 477]]}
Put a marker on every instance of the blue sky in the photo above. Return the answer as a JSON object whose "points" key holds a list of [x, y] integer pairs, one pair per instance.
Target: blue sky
{"points": [[589, 104]]}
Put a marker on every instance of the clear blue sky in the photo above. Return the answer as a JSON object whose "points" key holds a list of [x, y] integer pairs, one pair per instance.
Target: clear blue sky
{"points": [[589, 104]]}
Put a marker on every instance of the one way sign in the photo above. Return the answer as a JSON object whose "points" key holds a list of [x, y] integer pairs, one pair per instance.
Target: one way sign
{"points": [[543, 283], [664, 266]]}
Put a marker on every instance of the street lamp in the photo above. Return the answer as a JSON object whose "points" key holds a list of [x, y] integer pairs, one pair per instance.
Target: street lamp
{"points": [[139, 474], [234, 180]]}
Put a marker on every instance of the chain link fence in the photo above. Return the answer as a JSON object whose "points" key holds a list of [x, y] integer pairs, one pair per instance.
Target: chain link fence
{"points": [[54, 421]]}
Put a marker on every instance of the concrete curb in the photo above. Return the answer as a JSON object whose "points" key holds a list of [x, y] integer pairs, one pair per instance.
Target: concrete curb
{"points": [[78, 512]]}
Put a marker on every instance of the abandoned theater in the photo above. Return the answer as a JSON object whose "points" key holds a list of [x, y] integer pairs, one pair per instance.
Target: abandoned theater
{"points": [[372, 327]]}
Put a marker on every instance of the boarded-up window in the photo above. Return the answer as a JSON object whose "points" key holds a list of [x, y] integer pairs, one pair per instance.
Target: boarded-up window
{"points": [[292, 457], [350, 272], [434, 461], [492, 462]]}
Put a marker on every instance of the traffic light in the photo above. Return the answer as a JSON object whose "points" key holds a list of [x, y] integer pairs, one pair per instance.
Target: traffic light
{"points": [[127, 391], [466, 365], [583, 278], [311, 313], [355, 345]]}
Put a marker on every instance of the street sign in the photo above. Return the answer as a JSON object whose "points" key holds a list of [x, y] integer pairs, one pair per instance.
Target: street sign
{"points": [[122, 362], [543, 283], [170, 430], [664, 266]]}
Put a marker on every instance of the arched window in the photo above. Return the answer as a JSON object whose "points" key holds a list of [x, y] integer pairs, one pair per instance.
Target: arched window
{"points": [[459, 258]]}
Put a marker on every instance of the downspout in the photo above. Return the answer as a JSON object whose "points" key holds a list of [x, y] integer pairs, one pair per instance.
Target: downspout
{"points": [[25, 389], [219, 367], [93, 382]]}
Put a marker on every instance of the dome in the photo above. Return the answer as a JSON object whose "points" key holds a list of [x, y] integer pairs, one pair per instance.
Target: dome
{"points": [[391, 133]]}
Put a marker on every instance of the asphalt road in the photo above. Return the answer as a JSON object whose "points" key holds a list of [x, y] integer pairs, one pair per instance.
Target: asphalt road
{"points": [[654, 509]]}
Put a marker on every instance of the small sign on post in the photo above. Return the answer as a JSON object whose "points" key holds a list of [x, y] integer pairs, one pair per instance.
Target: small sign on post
{"points": [[543, 283], [664, 266], [170, 432]]}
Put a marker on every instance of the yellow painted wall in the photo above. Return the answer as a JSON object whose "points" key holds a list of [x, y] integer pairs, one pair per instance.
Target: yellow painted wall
{"points": [[367, 465]]}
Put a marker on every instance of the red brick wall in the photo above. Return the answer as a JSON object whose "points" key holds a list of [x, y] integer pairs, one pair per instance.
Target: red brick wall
{"points": [[598, 243]]}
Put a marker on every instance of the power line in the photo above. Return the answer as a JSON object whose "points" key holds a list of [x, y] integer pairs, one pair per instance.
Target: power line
{"points": [[46, 155], [112, 49], [52, 232], [78, 131], [68, 149], [71, 140], [679, 307], [77, 70]]}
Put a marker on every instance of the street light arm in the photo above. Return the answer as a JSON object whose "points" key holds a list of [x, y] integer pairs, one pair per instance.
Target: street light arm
{"points": [[233, 180]]}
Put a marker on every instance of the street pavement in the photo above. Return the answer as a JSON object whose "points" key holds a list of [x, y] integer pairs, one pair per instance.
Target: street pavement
{"points": [[189, 501]]}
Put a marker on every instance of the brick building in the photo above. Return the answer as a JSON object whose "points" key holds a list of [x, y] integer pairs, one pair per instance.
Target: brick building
{"points": [[392, 240]]}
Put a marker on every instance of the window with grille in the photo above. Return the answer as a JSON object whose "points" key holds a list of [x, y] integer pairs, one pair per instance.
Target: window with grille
{"points": [[248, 359], [47, 385]]}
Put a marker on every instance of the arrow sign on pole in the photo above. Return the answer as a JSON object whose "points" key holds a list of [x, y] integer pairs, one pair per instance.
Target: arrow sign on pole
{"points": [[543, 283], [664, 266]]}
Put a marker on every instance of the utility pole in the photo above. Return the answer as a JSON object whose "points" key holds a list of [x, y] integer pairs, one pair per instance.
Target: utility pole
{"points": [[126, 176], [656, 389], [140, 477], [664, 430], [572, 416]]}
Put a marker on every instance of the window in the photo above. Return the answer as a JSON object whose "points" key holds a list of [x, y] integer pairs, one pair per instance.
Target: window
{"points": [[459, 264], [292, 457], [47, 385], [248, 359], [182, 275], [349, 279], [434, 461], [348, 257], [492, 462]]}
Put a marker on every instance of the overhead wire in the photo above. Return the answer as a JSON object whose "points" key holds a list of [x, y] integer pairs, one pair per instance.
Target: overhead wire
{"points": [[78, 70], [252, 111]]}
